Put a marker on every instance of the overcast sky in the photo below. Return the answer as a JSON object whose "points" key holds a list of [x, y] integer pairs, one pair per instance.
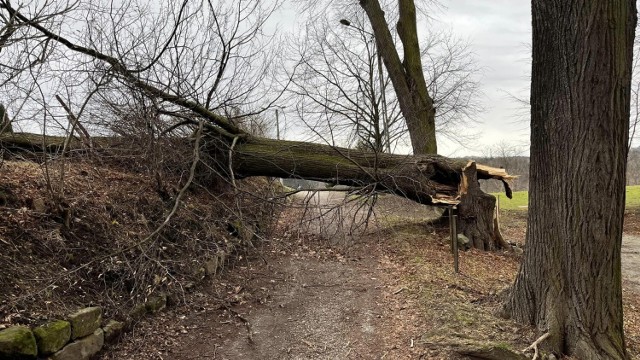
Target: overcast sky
{"points": [[499, 32]]}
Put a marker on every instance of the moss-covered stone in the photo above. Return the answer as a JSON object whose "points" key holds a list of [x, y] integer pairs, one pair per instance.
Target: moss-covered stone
{"points": [[112, 330], [491, 351], [81, 349], [463, 242], [17, 343], [84, 322], [156, 303], [138, 312], [52, 336]]}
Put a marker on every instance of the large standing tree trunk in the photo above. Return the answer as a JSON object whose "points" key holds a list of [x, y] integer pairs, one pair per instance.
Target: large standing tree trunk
{"points": [[477, 208], [406, 75], [569, 283]]}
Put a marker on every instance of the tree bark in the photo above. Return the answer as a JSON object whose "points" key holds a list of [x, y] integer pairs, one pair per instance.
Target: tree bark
{"points": [[406, 76], [569, 283], [5, 121], [477, 213], [426, 179]]}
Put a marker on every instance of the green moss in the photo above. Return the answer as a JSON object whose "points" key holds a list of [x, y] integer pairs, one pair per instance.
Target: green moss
{"points": [[52, 336], [17, 342], [156, 303], [502, 345], [466, 317], [138, 312], [85, 321]]}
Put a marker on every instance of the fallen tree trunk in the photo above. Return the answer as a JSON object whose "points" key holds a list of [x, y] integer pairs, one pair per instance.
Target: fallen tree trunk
{"points": [[432, 180], [426, 179]]}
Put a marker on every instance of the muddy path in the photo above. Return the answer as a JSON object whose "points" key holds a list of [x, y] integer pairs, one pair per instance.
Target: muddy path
{"points": [[306, 302], [631, 261], [306, 298]]}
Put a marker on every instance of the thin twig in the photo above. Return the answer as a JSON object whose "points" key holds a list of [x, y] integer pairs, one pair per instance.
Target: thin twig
{"points": [[75, 123]]}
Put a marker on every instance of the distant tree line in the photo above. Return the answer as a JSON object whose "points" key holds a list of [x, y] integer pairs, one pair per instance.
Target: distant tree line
{"points": [[504, 157]]}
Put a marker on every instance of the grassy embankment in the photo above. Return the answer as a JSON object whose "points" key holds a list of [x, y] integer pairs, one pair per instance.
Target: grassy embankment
{"points": [[520, 199]]}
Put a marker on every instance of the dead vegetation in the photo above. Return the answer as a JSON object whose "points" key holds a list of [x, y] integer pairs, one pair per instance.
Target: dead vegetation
{"points": [[87, 250], [400, 271], [76, 231]]}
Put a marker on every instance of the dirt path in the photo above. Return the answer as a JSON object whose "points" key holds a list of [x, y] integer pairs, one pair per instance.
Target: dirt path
{"points": [[631, 261], [307, 300], [306, 303], [318, 309]]}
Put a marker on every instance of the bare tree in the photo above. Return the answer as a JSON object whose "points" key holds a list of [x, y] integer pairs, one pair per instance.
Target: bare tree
{"points": [[340, 88], [342, 85], [407, 74], [452, 80]]}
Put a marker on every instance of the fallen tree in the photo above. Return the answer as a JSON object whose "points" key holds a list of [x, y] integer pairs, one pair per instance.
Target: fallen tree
{"points": [[426, 179]]}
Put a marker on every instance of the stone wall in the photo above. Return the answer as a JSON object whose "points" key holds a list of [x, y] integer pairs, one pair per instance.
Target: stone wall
{"points": [[80, 336]]}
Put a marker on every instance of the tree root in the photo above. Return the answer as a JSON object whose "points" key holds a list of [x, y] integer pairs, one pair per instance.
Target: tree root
{"points": [[535, 344]]}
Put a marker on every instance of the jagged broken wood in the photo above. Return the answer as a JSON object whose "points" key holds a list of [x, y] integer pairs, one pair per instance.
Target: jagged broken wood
{"points": [[426, 179]]}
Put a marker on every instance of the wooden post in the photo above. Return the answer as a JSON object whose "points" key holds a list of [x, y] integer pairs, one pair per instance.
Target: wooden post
{"points": [[452, 236], [455, 245], [453, 232]]}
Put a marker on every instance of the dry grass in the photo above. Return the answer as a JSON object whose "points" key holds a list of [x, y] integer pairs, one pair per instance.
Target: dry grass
{"points": [[460, 309]]}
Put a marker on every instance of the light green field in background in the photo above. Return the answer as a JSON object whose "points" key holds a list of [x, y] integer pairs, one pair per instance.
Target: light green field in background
{"points": [[520, 199]]}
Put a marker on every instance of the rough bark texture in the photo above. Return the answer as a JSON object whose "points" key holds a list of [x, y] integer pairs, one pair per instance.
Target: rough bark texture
{"points": [[569, 283], [427, 179], [5, 121], [406, 75], [476, 214]]}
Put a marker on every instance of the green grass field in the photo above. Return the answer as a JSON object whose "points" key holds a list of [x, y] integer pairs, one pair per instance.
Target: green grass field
{"points": [[520, 199]]}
